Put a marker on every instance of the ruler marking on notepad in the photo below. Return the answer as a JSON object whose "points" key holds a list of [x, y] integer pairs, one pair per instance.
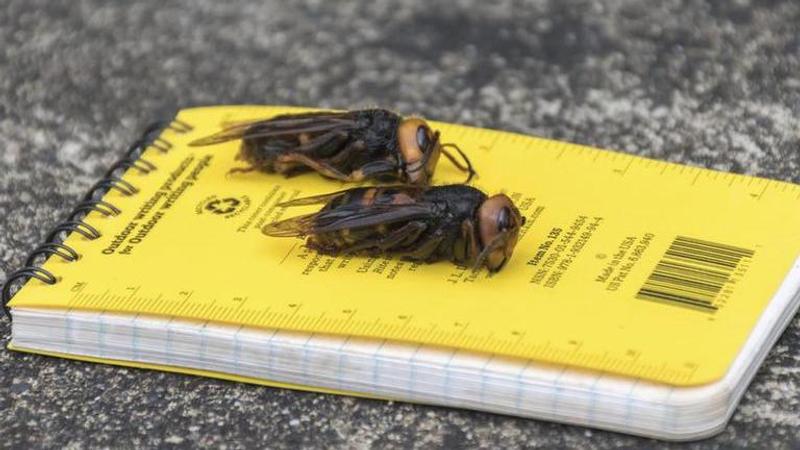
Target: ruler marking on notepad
{"points": [[157, 300], [104, 295], [219, 311], [76, 299], [400, 327], [763, 191], [568, 153], [248, 315]]}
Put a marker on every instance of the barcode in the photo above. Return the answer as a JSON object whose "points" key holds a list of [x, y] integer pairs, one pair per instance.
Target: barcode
{"points": [[693, 273]]}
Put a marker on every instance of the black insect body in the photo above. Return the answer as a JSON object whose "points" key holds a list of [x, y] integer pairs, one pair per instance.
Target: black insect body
{"points": [[373, 144], [457, 223]]}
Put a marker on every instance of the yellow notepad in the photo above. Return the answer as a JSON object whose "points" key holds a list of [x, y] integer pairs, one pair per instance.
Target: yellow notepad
{"points": [[627, 265]]}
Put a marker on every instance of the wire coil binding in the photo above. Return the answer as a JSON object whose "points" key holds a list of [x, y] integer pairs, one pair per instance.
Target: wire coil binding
{"points": [[92, 201]]}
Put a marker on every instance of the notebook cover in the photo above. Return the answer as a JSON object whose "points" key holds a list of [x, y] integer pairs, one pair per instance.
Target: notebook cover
{"points": [[626, 265]]}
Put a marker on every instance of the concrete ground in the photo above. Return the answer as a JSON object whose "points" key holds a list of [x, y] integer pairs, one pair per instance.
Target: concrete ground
{"points": [[714, 84]]}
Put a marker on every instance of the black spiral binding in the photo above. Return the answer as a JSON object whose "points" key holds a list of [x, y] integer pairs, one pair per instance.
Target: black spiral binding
{"points": [[92, 201]]}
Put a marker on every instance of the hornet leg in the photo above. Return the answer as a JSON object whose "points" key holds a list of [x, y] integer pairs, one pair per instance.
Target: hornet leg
{"points": [[320, 166], [406, 234], [471, 250], [241, 170], [320, 144], [424, 251], [348, 152], [325, 168], [375, 169]]}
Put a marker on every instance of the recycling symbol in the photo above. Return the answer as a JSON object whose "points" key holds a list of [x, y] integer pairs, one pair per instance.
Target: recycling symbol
{"points": [[223, 206]]}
